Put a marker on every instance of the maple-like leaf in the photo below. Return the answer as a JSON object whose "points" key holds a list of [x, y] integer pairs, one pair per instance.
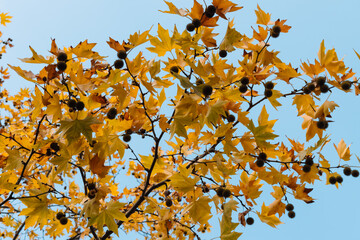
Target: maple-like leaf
{"points": [[262, 17], [265, 217], [163, 43], [199, 210], [174, 10], [84, 50], [4, 18], [72, 129], [37, 58], [343, 150], [181, 180], [226, 225], [231, 38]]}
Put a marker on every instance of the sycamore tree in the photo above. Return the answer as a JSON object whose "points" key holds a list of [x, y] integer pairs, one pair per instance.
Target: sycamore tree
{"points": [[164, 145]]}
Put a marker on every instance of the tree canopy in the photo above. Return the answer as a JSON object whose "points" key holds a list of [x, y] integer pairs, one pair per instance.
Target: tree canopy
{"points": [[162, 145]]}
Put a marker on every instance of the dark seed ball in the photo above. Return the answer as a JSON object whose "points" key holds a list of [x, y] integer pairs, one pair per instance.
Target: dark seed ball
{"points": [[250, 221], [291, 214], [243, 88], [262, 156], [63, 220], [190, 27], [220, 191], [346, 85], [71, 103], [347, 171], [322, 124], [309, 161], [244, 80], [196, 22], [332, 180], [55, 146], [260, 163], [289, 207], [210, 11], [118, 64], [61, 65], [306, 168], [168, 202], [306, 90], [276, 29], [355, 173], [223, 53], [227, 193], [274, 34], [268, 93], [324, 88], [62, 57], [230, 118], [80, 105], [207, 90], [320, 81], [167, 192], [311, 86], [269, 85], [174, 69], [339, 179], [112, 113], [122, 54], [91, 186], [60, 215], [127, 138]]}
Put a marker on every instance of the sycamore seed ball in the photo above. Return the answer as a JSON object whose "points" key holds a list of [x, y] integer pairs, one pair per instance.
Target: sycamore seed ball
{"points": [[118, 64], [60, 215], [210, 11], [223, 53], [346, 85], [207, 90], [80, 106], [62, 57], [243, 88], [347, 171], [226, 193], [63, 220], [190, 27], [250, 221], [244, 80], [289, 207], [268, 93], [332, 180], [61, 66], [269, 85], [291, 214], [355, 173], [174, 69], [196, 22], [122, 54]]}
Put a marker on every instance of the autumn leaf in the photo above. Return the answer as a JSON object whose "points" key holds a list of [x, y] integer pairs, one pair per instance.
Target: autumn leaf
{"points": [[72, 129], [37, 58], [174, 10], [262, 17], [343, 151], [181, 180], [226, 225], [163, 43], [5, 18], [265, 217], [199, 210]]}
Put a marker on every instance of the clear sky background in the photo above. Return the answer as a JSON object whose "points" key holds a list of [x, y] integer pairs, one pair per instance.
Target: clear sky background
{"points": [[334, 215]]}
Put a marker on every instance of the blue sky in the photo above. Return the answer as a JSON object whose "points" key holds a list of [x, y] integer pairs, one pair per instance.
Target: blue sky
{"points": [[335, 213]]}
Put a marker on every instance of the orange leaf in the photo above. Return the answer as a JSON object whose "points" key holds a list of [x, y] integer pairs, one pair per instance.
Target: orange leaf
{"points": [[97, 166]]}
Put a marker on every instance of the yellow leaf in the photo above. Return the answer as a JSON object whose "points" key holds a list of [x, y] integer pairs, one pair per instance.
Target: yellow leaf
{"points": [[208, 37], [97, 166], [73, 128], [181, 180], [325, 109], [264, 216], [5, 18], [215, 111], [305, 104], [84, 50], [231, 37], [226, 225], [343, 151], [37, 58], [174, 10], [163, 43], [24, 74], [199, 210], [262, 17]]}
